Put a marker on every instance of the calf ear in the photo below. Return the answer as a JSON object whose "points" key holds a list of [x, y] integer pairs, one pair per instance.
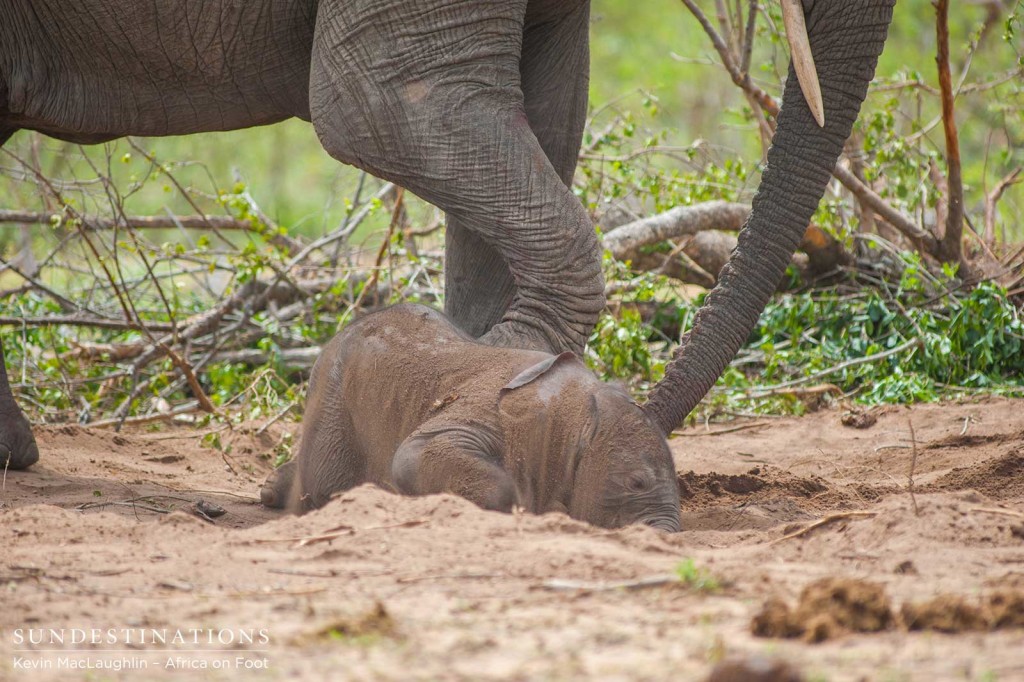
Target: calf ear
{"points": [[538, 370]]}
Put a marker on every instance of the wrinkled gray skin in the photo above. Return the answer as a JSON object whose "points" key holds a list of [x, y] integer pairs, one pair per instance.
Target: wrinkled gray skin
{"points": [[404, 399], [478, 107]]}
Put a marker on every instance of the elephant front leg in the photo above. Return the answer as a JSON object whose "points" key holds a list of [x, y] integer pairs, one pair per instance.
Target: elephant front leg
{"points": [[554, 73], [431, 97], [18, 448], [453, 462]]}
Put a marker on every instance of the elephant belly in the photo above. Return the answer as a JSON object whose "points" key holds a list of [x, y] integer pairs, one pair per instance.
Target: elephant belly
{"points": [[95, 69]]}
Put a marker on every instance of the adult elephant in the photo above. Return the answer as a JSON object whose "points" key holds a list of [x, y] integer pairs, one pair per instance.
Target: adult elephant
{"points": [[477, 106]]}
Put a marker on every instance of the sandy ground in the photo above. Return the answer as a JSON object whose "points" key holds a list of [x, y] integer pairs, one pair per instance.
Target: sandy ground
{"points": [[376, 586]]}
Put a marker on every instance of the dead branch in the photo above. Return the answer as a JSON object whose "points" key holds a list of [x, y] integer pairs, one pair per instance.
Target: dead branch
{"points": [[562, 585], [797, 392], [913, 465], [118, 422], [740, 78], [385, 248], [721, 432], [831, 518], [921, 239], [704, 244], [185, 367], [346, 228], [1001, 512], [993, 197], [290, 358], [624, 242], [192, 222], [82, 321]]}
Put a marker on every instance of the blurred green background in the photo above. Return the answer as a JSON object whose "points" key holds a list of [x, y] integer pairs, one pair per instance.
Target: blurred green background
{"points": [[652, 49]]}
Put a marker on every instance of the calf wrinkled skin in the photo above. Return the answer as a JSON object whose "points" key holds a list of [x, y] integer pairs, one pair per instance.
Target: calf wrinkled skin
{"points": [[405, 400]]}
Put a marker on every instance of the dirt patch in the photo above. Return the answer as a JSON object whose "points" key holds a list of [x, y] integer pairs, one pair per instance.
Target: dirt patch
{"points": [[1000, 478], [698, 490], [754, 669], [104, 533], [827, 608], [761, 497], [832, 607], [945, 613]]}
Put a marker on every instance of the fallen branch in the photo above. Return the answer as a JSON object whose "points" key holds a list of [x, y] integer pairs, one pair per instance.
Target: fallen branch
{"points": [[913, 465], [720, 432], [795, 391], [136, 222], [290, 358], [1001, 512], [838, 516], [187, 408], [625, 241], [559, 585], [83, 321]]}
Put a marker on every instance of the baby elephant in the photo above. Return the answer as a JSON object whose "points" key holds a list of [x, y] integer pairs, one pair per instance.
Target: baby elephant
{"points": [[405, 400]]}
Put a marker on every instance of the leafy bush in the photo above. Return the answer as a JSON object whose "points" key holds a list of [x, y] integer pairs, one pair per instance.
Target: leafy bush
{"points": [[948, 344]]}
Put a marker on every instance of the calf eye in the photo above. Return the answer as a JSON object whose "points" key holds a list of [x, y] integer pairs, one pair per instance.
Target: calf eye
{"points": [[636, 483]]}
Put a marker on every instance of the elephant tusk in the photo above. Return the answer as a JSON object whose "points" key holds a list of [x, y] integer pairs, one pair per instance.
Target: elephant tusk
{"points": [[803, 60]]}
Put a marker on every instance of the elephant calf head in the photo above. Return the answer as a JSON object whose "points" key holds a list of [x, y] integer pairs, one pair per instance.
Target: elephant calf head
{"points": [[589, 448]]}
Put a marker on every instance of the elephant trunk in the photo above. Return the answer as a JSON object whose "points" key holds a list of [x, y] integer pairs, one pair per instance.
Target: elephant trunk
{"points": [[846, 39]]}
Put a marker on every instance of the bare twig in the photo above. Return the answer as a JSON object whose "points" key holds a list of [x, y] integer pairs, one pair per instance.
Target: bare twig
{"points": [[831, 518], [561, 585], [720, 432], [1001, 512], [993, 197], [385, 247], [913, 465]]}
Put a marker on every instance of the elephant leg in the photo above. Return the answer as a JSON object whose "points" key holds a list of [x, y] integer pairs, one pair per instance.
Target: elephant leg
{"points": [[451, 462], [18, 448], [431, 98], [329, 459], [478, 285], [554, 71], [277, 490]]}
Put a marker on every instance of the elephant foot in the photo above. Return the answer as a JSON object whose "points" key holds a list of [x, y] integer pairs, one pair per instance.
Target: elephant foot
{"points": [[18, 448], [514, 334], [276, 490]]}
